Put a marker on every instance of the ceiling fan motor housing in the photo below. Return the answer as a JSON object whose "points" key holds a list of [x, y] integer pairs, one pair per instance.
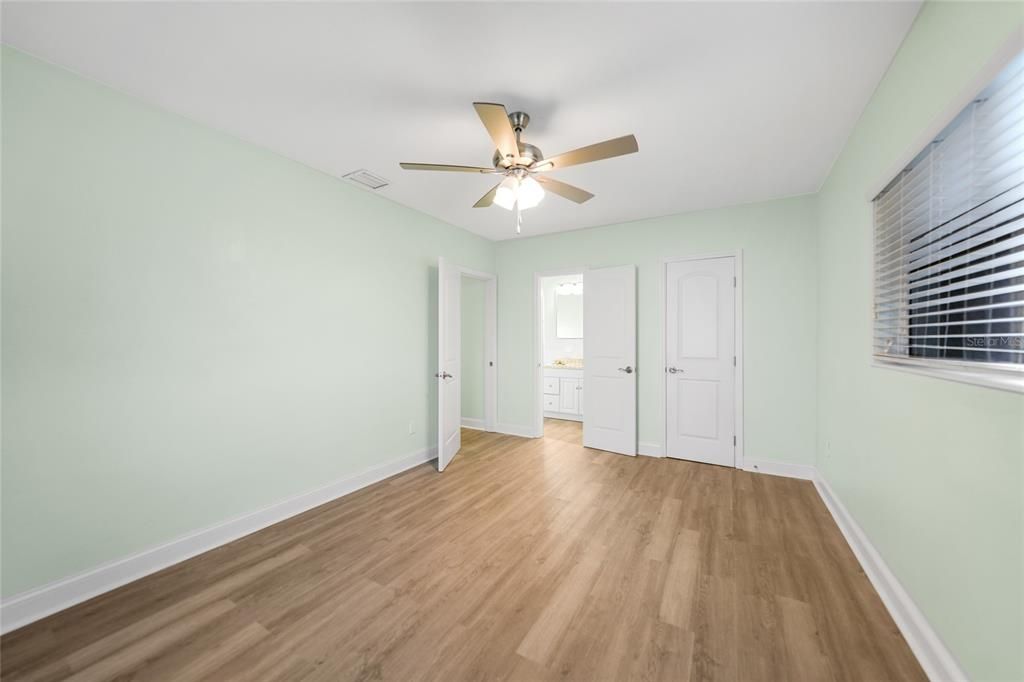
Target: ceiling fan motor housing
{"points": [[528, 154]]}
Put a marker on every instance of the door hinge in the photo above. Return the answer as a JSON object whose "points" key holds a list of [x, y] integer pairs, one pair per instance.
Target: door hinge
{"points": [[733, 282], [734, 361], [734, 441]]}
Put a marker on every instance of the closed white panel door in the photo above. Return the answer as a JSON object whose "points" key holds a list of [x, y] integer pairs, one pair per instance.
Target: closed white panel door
{"points": [[609, 359], [700, 349], [449, 361]]}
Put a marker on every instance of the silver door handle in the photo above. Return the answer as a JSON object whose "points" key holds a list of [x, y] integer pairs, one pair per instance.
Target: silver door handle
{"points": [[673, 370], [627, 369], [443, 375]]}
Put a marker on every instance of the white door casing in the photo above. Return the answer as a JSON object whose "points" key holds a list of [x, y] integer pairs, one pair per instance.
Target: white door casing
{"points": [[700, 357], [609, 359], [449, 362]]}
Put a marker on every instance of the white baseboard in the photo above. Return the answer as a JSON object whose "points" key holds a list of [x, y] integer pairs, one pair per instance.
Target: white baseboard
{"points": [[473, 423], [516, 430], [30, 606], [773, 468], [650, 449], [933, 655]]}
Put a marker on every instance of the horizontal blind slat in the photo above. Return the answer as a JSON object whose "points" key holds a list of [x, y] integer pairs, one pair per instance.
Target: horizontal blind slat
{"points": [[1002, 291]]}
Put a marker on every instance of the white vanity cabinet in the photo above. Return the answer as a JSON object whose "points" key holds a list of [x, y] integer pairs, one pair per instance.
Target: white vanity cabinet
{"points": [[563, 393]]}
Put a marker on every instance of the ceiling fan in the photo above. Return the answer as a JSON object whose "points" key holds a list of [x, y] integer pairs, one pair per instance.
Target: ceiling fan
{"points": [[522, 164]]}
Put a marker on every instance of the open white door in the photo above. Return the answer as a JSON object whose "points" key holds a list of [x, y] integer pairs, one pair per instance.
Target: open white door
{"points": [[609, 359], [700, 356], [449, 359]]}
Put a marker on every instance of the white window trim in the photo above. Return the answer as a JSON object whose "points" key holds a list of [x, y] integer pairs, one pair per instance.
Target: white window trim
{"points": [[964, 373], [988, 377]]}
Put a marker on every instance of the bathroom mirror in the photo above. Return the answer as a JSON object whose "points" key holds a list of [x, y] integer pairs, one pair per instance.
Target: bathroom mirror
{"points": [[568, 316]]}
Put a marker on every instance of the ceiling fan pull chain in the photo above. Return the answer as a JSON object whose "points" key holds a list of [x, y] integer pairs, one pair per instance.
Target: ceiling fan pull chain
{"points": [[519, 220]]}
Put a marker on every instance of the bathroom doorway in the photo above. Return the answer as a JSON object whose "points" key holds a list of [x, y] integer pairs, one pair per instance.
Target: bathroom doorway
{"points": [[559, 347]]}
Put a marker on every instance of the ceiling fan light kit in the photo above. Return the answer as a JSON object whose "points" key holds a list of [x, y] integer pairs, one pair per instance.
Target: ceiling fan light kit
{"points": [[519, 161], [518, 189]]}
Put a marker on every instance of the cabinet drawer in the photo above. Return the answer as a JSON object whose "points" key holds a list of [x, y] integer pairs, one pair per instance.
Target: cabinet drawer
{"points": [[551, 385], [551, 403]]}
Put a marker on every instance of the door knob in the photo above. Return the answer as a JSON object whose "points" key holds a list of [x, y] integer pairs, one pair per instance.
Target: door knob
{"points": [[673, 370], [627, 369]]}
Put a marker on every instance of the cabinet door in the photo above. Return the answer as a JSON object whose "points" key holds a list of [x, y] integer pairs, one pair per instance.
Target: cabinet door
{"points": [[568, 396]]}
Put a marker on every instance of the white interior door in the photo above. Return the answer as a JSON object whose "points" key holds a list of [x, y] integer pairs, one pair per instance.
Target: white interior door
{"points": [[700, 345], [609, 359], [449, 361]]}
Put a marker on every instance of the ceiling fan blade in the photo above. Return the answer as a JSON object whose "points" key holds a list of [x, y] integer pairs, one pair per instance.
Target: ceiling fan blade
{"points": [[595, 152], [444, 167], [495, 119], [564, 190], [487, 199]]}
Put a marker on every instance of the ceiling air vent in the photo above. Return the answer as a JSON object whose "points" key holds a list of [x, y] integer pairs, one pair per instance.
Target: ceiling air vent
{"points": [[367, 179]]}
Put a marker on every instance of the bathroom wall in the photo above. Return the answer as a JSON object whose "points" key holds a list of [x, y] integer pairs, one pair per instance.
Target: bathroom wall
{"points": [[555, 347]]}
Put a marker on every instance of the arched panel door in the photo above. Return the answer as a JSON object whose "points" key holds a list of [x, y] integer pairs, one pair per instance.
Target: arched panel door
{"points": [[700, 352]]}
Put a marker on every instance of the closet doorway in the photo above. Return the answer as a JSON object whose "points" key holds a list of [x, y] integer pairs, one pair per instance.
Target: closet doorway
{"points": [[480, 369]]}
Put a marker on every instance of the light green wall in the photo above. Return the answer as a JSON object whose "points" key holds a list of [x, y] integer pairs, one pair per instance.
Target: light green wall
{"points": [[931, 469], [779, 270], [473, 295], [193, 327]]}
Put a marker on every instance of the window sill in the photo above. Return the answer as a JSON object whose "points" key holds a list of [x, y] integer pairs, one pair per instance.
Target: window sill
{"points": [[1003, 381]]}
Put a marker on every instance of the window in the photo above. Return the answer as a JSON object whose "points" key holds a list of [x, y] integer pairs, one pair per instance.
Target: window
{"points": [[949, 245]]}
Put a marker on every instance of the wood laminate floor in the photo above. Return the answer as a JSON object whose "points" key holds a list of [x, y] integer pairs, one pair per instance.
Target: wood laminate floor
{"points": [[525, 560]]}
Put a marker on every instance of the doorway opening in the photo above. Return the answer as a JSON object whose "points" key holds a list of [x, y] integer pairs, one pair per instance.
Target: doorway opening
{"points": [[475, 357], [560, 390], [586, 363]]}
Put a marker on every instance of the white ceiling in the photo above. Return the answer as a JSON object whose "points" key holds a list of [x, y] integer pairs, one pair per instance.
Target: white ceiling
{"points": [[731, 102]]}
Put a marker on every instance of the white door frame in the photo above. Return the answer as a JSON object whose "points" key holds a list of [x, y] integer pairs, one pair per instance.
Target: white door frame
{"points": [[538, 344], [737, 375], [490, 344]]}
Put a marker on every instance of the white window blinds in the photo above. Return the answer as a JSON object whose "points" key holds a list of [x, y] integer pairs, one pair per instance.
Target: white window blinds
{"points": [[949, 241]]}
